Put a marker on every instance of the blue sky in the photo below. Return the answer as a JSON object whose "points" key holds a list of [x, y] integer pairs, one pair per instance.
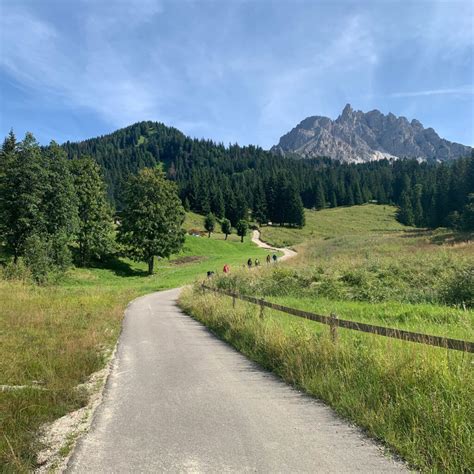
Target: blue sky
{"points": [[234, 71]]}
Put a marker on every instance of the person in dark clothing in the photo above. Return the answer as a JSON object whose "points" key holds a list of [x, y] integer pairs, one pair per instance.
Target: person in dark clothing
{"points": [[274, 257], [257, 262], [268, 259], [249, 262]]}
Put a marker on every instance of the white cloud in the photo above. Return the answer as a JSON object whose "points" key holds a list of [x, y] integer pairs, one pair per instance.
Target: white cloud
{"points": [[466, 90]]}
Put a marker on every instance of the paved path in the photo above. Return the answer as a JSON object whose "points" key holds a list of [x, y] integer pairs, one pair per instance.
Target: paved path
{"points": [[287, 253], [180, 400]]}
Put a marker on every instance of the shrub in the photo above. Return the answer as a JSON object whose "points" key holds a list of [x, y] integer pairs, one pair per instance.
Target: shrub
{"points": [[38, 258], [459, 290]]}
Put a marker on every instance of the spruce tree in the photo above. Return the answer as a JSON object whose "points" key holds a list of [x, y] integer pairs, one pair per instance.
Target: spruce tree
{"points": [[320, 200], [152, 218], [23, 186], [405, 212], [260, 206], [418, 215], [95, 235], [60, 204]]}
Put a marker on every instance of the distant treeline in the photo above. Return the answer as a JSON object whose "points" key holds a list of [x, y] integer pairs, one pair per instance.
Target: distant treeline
{"points": [[230, 181]]}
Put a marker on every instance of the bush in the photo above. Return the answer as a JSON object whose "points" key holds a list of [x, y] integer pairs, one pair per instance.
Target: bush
{"points": [[38, 258], [16, 271], [459, 289]]}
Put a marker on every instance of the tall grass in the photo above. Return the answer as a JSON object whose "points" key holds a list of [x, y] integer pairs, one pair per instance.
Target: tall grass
{"points": [[53, 338], [415, 398]]}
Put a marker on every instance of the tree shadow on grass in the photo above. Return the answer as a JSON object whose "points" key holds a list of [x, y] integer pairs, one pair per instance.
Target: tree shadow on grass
{"points": [[119, 267], [439, 236], [450, 237], [416, 233]]}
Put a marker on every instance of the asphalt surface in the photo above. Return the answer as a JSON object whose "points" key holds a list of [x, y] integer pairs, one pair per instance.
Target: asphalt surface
{"points": [[180, 400]]}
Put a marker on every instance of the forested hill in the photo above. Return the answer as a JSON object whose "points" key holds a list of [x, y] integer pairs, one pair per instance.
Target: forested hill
{"points": [[229, 181]]}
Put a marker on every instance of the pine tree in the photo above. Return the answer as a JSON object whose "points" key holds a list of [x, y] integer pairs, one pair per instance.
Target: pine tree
{"points": [[60, 204], [320, 200], [405, 212], [22, 194], [95, 234], [418, 215], [260, 206], [152, 218]]}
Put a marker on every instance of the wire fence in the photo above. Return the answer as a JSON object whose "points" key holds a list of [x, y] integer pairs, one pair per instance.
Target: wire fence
{"points": [[334, 323]]}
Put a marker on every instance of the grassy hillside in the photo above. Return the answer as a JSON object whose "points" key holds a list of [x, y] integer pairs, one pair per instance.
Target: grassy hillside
{"points": [[361, 264], [54, 337], [355, 220]]}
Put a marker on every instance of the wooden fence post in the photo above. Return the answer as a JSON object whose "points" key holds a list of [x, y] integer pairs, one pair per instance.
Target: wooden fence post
{"points": [[333, 327], [261, 308], [233, 299]]}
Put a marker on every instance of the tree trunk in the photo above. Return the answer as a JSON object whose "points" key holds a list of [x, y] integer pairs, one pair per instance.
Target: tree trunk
{"points": [[209, 235], [151, 263], [242, 238], [226, 236]]}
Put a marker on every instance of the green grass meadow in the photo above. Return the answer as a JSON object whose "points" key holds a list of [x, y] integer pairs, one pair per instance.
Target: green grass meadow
{"points": [[55, 337], [357, 262], [362, 265]]}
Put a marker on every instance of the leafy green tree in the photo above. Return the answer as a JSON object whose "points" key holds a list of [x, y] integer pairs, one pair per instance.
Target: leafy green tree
{"points": [[242, 229], [226, 227], [152, 218], [95, 235], [210, 223]]}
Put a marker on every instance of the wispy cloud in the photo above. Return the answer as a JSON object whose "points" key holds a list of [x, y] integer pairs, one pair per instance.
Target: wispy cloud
{"points": [[465, 90], [237, 70], [96, 77]]}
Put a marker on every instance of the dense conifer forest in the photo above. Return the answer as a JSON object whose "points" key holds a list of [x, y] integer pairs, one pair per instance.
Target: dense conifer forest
{"points": [[231, 181]]}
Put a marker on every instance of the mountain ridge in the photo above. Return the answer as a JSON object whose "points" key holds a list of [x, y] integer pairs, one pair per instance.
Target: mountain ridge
{"points": [[358, 137]]}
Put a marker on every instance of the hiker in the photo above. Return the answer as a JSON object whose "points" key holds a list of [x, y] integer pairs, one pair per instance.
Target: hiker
{"points": [[257, 262], [210, 274], [226, 269], [249, 263], [274, 257], [268, 259]]}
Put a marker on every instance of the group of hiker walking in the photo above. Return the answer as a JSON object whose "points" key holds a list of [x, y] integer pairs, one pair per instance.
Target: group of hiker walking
{"points": [[257, 261]]}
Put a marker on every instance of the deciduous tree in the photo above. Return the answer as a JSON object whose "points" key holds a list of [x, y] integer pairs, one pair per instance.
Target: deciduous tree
{"points": [[152, 218]]}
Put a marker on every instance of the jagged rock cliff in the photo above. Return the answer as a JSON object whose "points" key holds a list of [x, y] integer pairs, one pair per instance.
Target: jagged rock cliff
{"points": [[356, 136]]}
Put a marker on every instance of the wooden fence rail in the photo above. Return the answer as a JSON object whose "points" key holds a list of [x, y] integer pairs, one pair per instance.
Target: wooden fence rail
{"points": [[334, 322]]}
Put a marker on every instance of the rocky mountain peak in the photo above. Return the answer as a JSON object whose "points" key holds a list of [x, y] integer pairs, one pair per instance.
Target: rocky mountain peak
{"points": [[356, 136]]}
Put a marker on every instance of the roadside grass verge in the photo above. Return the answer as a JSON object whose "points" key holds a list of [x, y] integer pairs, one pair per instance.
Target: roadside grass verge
{"points": [[417, 399], [53, 338]]}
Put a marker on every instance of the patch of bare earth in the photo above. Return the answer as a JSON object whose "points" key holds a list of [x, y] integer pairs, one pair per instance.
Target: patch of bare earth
{"points": [[188, 259], [59, 437]]}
